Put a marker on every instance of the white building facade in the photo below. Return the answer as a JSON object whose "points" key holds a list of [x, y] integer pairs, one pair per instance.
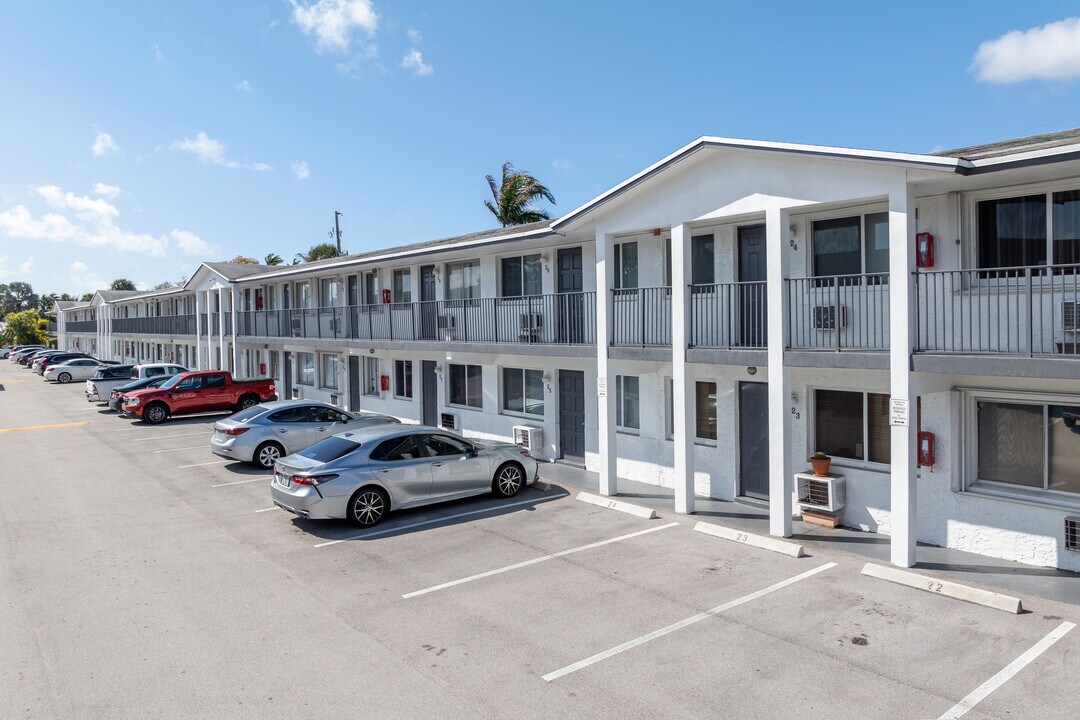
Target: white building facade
{"points": [[709, 324]]}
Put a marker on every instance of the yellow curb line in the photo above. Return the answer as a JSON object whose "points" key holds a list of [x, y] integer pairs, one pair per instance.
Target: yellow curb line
{"points": [[43, 427]]}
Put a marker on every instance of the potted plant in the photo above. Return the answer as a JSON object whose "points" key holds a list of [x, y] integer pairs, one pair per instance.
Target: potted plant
{"points": [[820, 462]]}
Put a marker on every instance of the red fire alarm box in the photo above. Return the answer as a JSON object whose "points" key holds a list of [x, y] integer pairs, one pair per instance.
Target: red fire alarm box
{"points": [[384, 383], [926, 449], [262, 369], [386, 295], [924, 250]]}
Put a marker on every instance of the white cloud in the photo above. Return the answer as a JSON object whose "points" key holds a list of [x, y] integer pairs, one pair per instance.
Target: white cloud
{"points": [[21, 271], [563, 165], [158, 55], [243, 86], [26, 265], [109, 191], [104, 144], [301, 170], [414, 61], [414, 36], [81, 220], [1050, 52], [192, 244], [212, 152], [83, 279], [332, 21]]}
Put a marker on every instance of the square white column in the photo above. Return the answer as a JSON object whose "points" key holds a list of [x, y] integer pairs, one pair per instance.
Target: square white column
{"points": [[902, 228], [221, 328], [235, 346], [781, 481], [682, 382], [198, 337], [605, 381]]}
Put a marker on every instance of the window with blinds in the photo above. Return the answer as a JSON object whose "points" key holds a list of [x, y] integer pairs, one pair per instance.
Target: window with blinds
{"points": [[627, 402], [705, 410], [1031, 444], [853, 425]]}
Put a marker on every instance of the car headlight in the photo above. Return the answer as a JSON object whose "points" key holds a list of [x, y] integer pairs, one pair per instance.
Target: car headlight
{"points": [[131, 401]]}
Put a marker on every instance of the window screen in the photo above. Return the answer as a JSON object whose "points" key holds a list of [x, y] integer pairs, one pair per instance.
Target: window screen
{"points": [[705, 410], [627, 402], [838, 417], [837, 247], [1011, 443]]}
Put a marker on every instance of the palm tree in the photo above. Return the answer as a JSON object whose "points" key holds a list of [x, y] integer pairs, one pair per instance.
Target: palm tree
{"points": [[514, 195], [273, 259], [321, 251], [122, 284]]}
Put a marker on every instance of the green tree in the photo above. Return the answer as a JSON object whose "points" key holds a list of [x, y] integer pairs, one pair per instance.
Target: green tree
{"points": [[122, 284], [273, 259], [48, 302], [322, 251], [17, 296], [514, 197], [244, 260], [86, 297], [25, 327]]}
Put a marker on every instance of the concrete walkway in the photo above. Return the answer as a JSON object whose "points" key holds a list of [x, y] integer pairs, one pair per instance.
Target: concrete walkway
{"points": [[753, 516]]}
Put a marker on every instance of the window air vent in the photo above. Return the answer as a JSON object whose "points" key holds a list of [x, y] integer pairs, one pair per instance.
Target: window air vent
{"points": [[1068, 315], [1072, 533], [822, 493], [448, 421], [825, 317]]}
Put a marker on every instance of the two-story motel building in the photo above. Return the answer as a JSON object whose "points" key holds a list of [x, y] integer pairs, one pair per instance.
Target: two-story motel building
{"points": [[708, 324]]}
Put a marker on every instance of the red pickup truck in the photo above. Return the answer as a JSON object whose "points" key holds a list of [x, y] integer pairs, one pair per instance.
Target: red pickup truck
{"points": [[193, 392]]}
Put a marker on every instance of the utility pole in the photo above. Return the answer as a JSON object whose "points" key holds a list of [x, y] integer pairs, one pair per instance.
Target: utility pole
{"points": [[337, 230]]}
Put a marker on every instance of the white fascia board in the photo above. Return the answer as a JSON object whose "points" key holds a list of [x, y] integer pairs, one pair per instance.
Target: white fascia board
{"points": [[1032, 155], [374, 259], [930, 162]]}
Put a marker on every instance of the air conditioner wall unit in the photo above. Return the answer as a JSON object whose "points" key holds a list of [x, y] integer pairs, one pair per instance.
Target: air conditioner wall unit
{"points": [[448, 421], [529, 437], [447, 322], [1069, 315], [297, 394], [825, 317], [335, 400], [821, 493]]}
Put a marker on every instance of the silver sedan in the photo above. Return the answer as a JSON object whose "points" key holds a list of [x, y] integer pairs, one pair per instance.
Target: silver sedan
{"points": [[263, 433], [363, 475]]}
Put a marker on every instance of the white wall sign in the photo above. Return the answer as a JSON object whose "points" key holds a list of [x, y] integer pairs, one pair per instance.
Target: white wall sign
{"points": [[601, 387], [898, 412]]}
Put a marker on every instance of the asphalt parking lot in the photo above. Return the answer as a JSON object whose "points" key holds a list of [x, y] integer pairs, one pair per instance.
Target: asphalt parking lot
{"points": [[141, 576]]}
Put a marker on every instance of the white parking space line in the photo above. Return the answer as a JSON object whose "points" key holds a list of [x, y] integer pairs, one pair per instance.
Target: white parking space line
{"points": [[215, 462], [552, 676], [442, 519], [961, 708], [266, 509], [534, 561], [189, 447], [241, 482], [167, 437]]}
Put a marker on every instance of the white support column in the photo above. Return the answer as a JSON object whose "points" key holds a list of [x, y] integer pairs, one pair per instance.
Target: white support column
{"points": [[209, 331], [682, 382], [902, 228], [605, 402], [780, 468], [235, 347], [220, 365], [198, 337]]}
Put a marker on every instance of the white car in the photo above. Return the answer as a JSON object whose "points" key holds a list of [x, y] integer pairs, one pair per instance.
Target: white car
{"points": [[114, 376], [77, 369]]}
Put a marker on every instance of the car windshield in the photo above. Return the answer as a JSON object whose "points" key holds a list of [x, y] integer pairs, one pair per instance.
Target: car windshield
{"points": [[171, 382], [245, 415], [329, 449]]}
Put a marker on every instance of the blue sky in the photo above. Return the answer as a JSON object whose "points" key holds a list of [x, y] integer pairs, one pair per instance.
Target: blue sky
{"points": [[138, 139]]}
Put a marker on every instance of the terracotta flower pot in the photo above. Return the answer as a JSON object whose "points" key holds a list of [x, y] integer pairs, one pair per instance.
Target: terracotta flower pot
{"points": [[821, 467]]}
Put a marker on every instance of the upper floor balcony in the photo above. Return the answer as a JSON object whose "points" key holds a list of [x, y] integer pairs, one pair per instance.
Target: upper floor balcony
{"points": [[1028, 311], [81, 326], [554, 319], [839, 313], [165, 325]]}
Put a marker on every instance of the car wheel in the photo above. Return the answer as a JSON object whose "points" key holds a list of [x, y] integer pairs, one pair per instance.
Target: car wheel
{"points": [[368, 506], [155, 414], [63, 378], [509, 479], [267, 454], [247, 401]]}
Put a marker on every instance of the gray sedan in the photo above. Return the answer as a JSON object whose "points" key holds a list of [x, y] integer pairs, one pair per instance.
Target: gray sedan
{"points": [[363, 475], [263, 433]]}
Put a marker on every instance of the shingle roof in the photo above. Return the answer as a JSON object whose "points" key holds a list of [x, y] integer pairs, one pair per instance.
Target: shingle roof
{"points": [[67, 304], [111, 295], [235, 271], [1015, 145]]}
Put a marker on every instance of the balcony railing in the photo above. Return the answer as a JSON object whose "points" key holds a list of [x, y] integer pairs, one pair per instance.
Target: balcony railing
{"points": [[81, 326], [1024, 311], [163, 325], [641, 317], [728, 315], [839, 312], [557, 319]]}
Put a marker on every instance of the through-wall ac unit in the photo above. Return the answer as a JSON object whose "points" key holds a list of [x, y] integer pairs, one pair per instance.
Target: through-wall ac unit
{"points": [[296, 394], [825, 317], [448, 421], [1072, 533], [1069, 315], [821, 493], [532, 324], [335, 400], [529, 437], [447, 322]]}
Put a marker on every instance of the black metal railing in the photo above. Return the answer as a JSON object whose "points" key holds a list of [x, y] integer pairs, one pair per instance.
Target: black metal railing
{"points": [[162, 325], [839, 312], [555, 319], [728, 315], [1023, 311], [641, 317], [81, 326]]}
